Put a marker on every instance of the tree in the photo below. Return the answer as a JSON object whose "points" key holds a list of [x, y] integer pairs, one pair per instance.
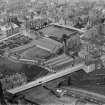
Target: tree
{"points": [[2, 100]]}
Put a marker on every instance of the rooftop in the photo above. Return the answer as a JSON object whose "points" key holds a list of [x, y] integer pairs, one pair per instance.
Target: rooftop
{"points": [[56, 32], [44, 46], [45, 97]]}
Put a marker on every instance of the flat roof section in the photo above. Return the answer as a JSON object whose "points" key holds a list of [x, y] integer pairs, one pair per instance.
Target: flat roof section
{"points": [[35, 53], [22, 48], [48, 44], [68, 27], [37, 48], [60, 62], [57, 32], [43, 43], [58, 58]]}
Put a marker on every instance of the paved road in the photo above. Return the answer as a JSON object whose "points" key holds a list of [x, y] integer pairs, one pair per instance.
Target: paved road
{"points": [[46, 79]]}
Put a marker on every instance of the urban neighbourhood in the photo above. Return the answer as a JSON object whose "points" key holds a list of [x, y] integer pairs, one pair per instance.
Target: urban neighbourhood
{"points": [[52, 52]]}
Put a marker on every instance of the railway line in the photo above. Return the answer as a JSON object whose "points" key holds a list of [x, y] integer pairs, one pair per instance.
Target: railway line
{"points": [[85, 95]]}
